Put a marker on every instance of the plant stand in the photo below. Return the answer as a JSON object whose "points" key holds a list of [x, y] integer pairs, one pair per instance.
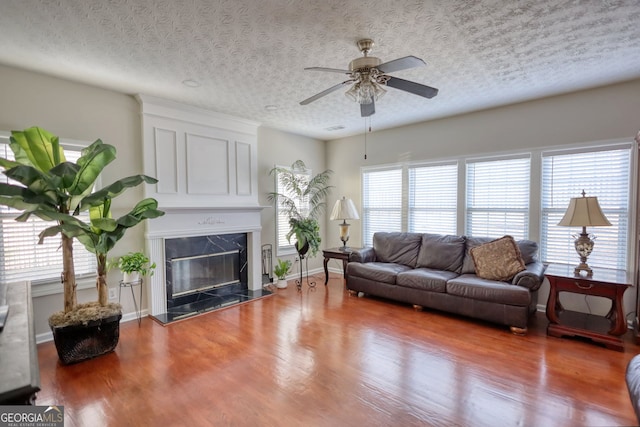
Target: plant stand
{"points": [[130, 285], [304, 265]]}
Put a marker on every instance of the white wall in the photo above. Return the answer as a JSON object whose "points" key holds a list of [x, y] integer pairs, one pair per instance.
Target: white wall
{"points": [[80, 112], [607, 113], [281, 148]]}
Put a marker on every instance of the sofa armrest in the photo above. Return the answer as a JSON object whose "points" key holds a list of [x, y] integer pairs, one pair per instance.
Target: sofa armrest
{"points": [[532, 277], [363, 255]]}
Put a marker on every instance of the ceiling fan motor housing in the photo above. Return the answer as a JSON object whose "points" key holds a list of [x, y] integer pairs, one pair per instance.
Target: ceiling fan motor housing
{"points": [[364, 63]]}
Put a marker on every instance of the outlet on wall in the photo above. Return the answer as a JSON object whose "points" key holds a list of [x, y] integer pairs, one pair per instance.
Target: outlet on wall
{"points": [[113, 294]]}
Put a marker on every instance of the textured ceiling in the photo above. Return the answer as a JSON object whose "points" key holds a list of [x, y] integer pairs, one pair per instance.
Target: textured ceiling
{"points": [[248, 54]]}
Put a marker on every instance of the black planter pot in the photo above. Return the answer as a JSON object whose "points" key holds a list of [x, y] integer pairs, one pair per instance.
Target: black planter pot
{"points": [[303, 250], [76, 343]]}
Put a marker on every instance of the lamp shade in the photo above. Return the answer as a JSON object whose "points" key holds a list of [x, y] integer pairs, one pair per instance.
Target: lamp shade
{"points": [[344, 209], [582, 212]]}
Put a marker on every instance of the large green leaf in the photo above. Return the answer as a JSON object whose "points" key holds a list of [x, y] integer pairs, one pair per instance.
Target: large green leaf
{"points": [[114, 189], [66, 172], [93, 160], [40, 147]]}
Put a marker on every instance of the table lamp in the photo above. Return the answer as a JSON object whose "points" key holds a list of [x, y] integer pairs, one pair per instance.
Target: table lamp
{"points": [[584, 212], [344, 209]]}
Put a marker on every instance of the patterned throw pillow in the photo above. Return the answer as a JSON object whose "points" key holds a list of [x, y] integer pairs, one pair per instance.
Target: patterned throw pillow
{"points": [[499, 259]]}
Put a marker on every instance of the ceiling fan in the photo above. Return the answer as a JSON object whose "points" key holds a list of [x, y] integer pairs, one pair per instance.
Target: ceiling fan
{"points": [[368, 74]]}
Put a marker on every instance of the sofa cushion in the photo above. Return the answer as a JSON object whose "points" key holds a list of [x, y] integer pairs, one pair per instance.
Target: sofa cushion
{"points": [[528, 250], [441, 252], [425, 279], [399, 248], [468, 267], [499, 259], [377, 271], [473, 287]]}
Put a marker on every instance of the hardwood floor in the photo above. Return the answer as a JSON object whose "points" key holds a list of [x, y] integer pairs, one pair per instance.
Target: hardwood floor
{"points": [[324, 358]]}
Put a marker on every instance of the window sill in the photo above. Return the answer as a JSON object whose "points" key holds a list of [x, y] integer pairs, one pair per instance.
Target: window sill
{"points": [[42, 289]]}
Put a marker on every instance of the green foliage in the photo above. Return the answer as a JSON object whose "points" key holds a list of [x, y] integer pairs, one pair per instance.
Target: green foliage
{"points": [[136, 261], [298, 185], [54, 189], [282, 268]]}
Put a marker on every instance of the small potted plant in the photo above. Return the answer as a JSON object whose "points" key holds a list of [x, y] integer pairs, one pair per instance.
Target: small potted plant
{"points": [[281, 270], [133, 265]]}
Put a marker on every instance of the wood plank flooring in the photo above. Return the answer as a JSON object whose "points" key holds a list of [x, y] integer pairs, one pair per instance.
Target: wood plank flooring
{"points": [[324, 358]]}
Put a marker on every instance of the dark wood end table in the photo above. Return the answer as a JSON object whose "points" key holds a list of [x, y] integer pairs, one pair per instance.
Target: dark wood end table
{"points": [[611, 284], [336, 253]]}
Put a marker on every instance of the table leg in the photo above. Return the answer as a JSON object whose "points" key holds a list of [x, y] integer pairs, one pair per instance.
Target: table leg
{"points": [[326, 270]]}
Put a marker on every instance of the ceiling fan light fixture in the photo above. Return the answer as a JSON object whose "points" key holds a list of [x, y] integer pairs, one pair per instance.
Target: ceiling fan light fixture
{"points": [[365, 92]]}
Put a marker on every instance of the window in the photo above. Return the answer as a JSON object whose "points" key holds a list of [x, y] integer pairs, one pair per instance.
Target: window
{"points": [[282, 223], [381, 202], [21, 257], [601, 172], [433, 198], [498, 197]]}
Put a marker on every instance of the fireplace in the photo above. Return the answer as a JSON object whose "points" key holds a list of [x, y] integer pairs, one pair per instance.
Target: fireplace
{"points": [[203, 268]]}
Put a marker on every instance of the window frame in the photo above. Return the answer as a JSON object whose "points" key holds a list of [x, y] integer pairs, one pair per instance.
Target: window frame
{"points": [[535, 188]]}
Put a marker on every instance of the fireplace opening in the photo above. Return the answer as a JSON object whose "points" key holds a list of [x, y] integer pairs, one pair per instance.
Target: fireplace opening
{"points": [[204, 272]]}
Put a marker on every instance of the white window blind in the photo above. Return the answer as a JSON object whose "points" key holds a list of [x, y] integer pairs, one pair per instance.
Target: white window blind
{"points": [[603, 173], [21, 257], [498, 197], [433, 198], [282, 225], [381, 202]]}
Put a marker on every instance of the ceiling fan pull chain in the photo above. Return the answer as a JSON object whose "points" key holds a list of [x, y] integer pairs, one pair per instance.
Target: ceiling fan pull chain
{"points": [[365, 138]]}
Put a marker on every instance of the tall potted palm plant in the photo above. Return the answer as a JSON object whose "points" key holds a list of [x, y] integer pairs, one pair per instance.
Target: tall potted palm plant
{"points": [[54, 189], [303, 201]]}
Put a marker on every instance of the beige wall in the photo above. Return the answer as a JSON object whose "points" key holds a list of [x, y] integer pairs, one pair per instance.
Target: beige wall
{"points": [[283, 149], [607, 113], [77, 111], [80, 112]]}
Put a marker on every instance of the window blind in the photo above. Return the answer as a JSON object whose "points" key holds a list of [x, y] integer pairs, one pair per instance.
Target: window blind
{"points": [[21, 257], [603, 173], [381, 202], [433, 198], [497, 197]]}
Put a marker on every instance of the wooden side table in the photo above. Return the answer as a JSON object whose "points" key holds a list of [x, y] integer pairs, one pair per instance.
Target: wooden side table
{"points": [[611, 284], [335, 253]]}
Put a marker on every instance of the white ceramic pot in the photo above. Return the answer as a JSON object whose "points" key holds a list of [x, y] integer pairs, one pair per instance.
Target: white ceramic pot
{"points": [[281, 284], [134, 276]]}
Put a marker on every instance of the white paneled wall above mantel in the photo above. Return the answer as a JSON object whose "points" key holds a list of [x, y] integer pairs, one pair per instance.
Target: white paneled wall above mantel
{"points": [[200, 158]]}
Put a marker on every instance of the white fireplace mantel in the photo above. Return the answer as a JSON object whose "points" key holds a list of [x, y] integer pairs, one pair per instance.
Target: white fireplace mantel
{"points": [[206, 166]]}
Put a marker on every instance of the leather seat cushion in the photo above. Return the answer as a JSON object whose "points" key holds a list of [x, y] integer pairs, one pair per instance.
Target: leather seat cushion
{"points": [[426, 279], [471, 286], [377, 271]]}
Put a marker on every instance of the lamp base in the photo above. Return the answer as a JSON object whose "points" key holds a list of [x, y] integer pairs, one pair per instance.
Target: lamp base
{"points": [[583, 267]]}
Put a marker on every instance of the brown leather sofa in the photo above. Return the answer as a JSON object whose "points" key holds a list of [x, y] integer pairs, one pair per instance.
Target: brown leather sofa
{"points": [[438, 272]]}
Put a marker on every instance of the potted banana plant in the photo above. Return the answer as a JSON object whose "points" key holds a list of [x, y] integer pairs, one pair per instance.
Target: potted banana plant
{"points": [[57, 190]]}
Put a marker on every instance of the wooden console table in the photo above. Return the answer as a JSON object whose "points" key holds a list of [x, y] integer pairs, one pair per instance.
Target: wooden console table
{"points": [[19, 372], [611, 284]]}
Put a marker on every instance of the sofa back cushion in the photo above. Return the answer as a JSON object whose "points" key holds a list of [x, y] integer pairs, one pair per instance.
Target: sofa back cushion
{"points": [[441, 252], [399, 248], [528, 250]]}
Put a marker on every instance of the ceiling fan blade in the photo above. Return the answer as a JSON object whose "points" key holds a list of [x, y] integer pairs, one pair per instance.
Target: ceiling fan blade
{"points": [[367, 110], [400, 64], [330, 70], [325, 92], [412, 87]]}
